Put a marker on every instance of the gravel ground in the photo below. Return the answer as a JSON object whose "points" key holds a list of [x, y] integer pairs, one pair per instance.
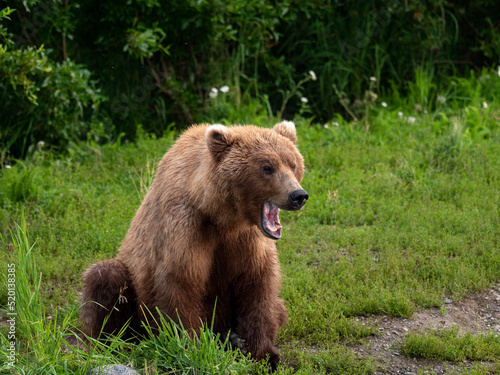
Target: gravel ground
{"points": [[478, 313]]}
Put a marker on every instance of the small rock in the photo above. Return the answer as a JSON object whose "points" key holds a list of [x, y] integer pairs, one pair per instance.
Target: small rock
{"points": [[114, 370], [448, 301]]}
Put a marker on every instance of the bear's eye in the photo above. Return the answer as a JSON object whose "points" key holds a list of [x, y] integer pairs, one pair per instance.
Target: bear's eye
{"points": [[293, 168], [267, 169]]}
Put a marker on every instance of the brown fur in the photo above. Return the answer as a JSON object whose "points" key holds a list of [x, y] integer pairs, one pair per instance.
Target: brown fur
{"points": [[196, 238]]}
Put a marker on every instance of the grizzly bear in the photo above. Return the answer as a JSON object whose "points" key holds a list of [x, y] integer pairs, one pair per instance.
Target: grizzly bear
{"points": [[202, 243]]}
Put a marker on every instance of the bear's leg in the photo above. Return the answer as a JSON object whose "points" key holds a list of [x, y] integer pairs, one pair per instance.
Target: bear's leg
{"points": [[107, 293], [181, 300], [260, 313]]}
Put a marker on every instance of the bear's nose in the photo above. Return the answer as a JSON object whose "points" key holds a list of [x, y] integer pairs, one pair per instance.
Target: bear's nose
{"points": [[298, 198]]}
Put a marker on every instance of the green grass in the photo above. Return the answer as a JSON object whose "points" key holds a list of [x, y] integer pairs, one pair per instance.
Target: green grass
{"points": [[331, 360], [388, 229], [174, 350], [397, 219], [40, 340], [451, 345]]}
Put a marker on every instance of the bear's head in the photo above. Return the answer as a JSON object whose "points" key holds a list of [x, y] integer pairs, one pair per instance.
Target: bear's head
{"points": [[259, 171]]}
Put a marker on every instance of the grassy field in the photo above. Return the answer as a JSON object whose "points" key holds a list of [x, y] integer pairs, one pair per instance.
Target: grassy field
{"points": [[398, 219]]}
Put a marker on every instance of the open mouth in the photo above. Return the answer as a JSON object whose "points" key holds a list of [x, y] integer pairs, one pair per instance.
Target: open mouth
{"points": [[270, 223]]}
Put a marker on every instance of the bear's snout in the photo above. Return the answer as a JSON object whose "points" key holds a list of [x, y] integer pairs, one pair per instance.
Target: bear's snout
{"points": [[298, 198]]}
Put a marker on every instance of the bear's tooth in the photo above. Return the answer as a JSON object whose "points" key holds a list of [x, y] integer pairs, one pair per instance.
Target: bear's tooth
{"points": [[270, 225]]}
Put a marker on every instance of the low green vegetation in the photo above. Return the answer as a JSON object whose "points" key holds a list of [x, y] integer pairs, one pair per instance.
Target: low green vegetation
{"points": [[451, 345], [398, 218], [335, 359]]}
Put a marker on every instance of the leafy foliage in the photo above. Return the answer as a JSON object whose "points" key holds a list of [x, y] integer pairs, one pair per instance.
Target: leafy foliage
{"points": [[41, 100], [157, 62]]}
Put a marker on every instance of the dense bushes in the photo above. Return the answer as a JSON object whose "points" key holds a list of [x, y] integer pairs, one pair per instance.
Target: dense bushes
{"points": [[76, 69], [41, 100]]}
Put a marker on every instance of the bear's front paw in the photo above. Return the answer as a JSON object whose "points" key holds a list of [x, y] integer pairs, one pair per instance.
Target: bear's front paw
{"points": [[236, 342], [274, 360]]}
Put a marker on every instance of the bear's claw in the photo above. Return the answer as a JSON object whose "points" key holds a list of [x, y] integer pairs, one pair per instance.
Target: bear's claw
{"points": [[236, 342]]}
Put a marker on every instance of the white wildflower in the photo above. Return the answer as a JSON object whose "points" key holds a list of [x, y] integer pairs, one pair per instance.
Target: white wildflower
{"points": [[484, 78], [313, 75], [213, 93], [335, 123], [373, 79], [441, 99], [304, 99], [418, 107], [7, 166], [40, 144], [325, 126], [485, 105], [400, 114], [499, 70], [426, 111], [224, 89], [411, 119], [383, 104]]}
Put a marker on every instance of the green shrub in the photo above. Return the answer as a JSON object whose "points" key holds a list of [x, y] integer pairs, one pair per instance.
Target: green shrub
{"points": [[43, 101]]}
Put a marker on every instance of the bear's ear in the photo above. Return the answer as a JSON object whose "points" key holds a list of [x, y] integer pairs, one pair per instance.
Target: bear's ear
{"points": [[219, 140], [286, 129]]}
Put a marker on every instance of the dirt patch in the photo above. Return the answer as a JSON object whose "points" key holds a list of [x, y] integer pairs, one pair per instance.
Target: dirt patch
{"points": [[478, 313]]}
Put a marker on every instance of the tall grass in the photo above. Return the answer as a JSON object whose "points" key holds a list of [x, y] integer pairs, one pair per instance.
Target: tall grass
{"points": [[175, 349], [46, 343], [41, 339]]}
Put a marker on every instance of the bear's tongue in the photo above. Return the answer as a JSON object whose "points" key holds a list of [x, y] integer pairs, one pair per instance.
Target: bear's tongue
{"points": [[271, 221]]}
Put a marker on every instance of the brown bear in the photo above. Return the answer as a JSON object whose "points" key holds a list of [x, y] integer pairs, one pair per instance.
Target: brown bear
{"points": [[204, 238]]}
